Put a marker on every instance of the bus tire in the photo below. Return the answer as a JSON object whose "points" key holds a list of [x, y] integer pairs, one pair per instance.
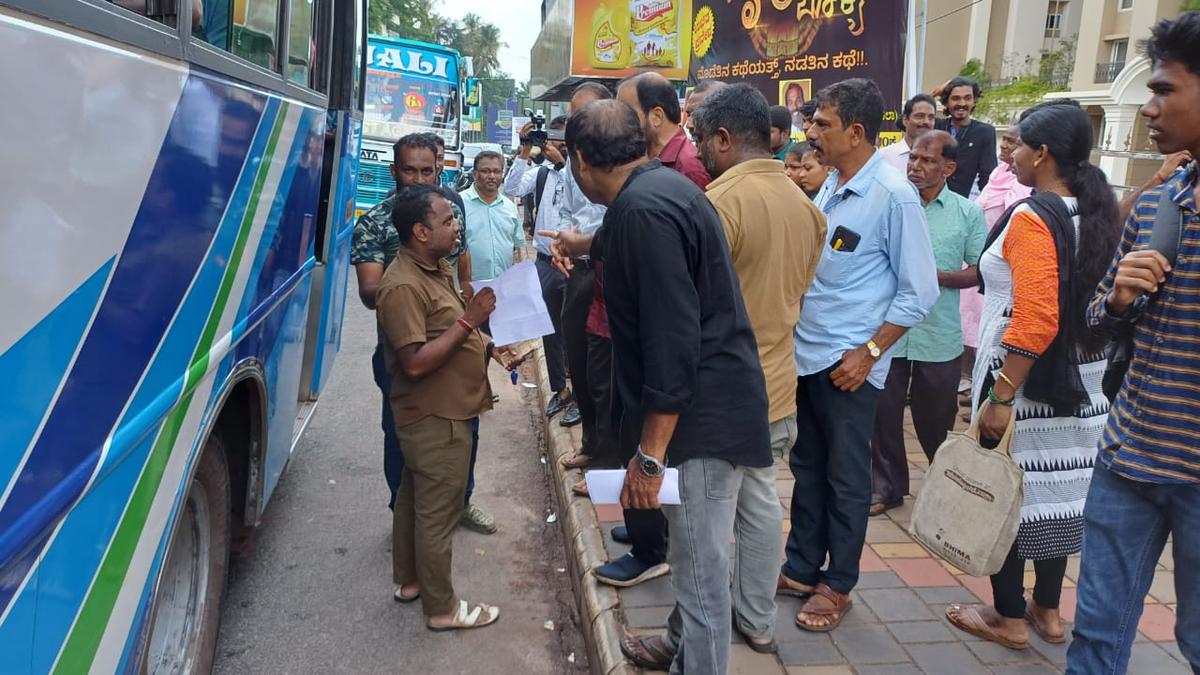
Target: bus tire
{"points": [[187, 603]]}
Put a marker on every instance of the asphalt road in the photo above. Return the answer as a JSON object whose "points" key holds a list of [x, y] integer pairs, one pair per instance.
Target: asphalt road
{"points": [[315, 595]]}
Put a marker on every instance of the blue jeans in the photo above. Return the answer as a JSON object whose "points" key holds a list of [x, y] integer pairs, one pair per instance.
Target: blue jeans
{"points": [[393, 459], [1126, 524]]}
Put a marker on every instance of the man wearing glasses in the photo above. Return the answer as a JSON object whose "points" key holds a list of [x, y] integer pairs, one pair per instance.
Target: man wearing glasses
{"points": [[494, 231]]}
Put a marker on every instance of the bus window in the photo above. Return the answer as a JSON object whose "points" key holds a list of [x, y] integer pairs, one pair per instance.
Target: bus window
{"points": [[301, 47], [163, 11], [255, 29], [215, 24]]}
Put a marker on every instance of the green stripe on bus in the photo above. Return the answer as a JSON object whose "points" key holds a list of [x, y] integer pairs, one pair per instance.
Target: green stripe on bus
{"points": [[80, 650]]}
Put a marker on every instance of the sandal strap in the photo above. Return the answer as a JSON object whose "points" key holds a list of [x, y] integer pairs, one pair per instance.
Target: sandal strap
{"points": [[838, 600]]}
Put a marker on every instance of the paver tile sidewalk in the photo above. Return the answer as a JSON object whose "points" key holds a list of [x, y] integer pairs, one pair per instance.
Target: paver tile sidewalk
{"points": [[898, 624]]}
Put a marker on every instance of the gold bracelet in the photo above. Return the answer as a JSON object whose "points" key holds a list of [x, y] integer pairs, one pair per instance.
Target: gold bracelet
{"points": [[1002, 376]]}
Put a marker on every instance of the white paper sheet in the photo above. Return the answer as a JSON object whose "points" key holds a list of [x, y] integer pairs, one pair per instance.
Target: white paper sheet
{"points": [[604, 486], [520, 310]]}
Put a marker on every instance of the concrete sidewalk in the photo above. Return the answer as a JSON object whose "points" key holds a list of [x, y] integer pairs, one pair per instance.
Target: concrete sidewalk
{"points": [[897, 624]]}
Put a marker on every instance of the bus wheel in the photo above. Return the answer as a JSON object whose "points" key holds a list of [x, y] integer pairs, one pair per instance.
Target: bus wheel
{"points": [[187, 605]]}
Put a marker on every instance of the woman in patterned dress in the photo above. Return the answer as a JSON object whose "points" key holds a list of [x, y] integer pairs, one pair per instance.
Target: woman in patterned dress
{"points": [[1038, 361]]}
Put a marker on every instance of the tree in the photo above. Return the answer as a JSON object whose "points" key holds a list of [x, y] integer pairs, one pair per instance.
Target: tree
{"points": [[412, 19]]}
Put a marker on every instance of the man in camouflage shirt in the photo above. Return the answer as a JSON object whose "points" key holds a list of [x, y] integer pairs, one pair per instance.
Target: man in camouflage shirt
{"points": [[373, 248]]}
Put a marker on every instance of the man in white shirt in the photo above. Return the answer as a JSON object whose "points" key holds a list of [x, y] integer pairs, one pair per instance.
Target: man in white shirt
{"points": [[919, 114], [545, 183]]}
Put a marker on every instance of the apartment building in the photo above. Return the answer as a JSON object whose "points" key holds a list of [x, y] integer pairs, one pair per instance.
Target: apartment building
{"points": [[1008, 36], [1110, 81]]}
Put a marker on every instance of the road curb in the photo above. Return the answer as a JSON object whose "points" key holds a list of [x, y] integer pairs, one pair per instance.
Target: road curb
{"points": [[601, 618]]}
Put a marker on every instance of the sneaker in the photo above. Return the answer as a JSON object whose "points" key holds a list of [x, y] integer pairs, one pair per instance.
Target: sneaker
{"points": [[628, 571], [571, 417], [620, 534], [478, 520], [558, 404]]}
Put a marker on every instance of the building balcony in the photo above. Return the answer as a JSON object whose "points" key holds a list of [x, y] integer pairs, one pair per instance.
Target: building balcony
{"points": [[1106, 73]]}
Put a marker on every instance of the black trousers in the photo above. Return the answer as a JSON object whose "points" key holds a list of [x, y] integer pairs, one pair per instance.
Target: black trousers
{"points": [[605, 452], [931, 389], [576, 304], [647, 527], [831, 497], [554, 286], [1008, 585]]}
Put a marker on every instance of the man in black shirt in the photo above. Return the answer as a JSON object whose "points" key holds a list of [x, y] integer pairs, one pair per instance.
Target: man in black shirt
{"points": [[685, 362], [976, 140]]}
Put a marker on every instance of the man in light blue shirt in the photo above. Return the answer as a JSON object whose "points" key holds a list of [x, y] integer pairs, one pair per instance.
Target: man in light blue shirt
{"points": [[875, 280], [494, 231]]}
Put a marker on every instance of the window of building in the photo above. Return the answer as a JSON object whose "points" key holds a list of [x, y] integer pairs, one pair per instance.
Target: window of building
{"points": [[1124, 4], [1117, 50], [1054, 18]]}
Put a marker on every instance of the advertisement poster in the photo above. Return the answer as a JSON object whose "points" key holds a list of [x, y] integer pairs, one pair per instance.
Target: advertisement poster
{"points": [[618, 38], [789, 49], [500, 123]]}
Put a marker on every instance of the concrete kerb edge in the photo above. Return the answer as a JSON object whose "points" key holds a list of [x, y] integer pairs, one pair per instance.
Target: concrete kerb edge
{"points": [[599, 605]]}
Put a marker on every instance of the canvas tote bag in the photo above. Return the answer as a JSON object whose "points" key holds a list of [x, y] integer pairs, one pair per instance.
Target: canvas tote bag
{"points": [[969, 506]]}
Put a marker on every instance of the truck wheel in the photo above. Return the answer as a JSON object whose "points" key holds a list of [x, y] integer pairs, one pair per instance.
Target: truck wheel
{"points": [[187, 604]]}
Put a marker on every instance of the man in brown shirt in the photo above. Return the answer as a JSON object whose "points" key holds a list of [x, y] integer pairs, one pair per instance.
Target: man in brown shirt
{"points": [[775, 235], [437, 358]]}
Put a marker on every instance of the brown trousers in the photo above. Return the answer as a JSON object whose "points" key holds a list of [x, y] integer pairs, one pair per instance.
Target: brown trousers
{"points": [[429, 503]]}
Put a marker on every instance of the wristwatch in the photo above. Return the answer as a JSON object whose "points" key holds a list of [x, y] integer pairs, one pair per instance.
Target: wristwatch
{"points": [[649, 465], [873, 349]]}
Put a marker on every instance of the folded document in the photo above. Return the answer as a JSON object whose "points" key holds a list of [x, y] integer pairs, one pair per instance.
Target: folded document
{"points": [[604, 486]]}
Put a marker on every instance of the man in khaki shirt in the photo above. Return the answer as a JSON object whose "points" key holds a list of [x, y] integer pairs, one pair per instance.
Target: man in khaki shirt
{"points": [[437, 358], [775, 235]]}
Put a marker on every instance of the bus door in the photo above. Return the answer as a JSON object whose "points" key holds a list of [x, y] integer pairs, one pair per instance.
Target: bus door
{"points": [[336, 218]]}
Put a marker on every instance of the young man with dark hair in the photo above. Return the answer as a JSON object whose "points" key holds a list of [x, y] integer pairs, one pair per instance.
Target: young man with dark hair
{"points": [[657, 106], [688, 382], [494, 232], [927, 361], [1146, 482], [781, 131], [876, 279], [976, 140], [373, 247], [919, 114], [437, 359]]}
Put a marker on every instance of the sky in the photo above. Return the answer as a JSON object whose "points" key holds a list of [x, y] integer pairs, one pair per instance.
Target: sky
{"points": [[519, 22]]}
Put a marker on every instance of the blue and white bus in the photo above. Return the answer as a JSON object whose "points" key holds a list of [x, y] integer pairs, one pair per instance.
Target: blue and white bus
{"points": [[176, 202], [411, 87]]}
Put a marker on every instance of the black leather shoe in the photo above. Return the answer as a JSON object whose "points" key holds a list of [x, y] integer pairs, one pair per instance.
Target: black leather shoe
{"points": [[557, 404], [571, 417]]}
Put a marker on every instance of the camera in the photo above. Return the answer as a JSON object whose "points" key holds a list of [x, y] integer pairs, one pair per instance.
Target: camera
{"points": [[538, 135]]}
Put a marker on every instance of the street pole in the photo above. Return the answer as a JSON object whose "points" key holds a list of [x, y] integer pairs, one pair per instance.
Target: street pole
{"points": [[924, 23]]}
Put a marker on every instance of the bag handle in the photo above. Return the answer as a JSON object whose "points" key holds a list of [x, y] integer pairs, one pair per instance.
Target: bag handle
{"points": [[1005, 445]]}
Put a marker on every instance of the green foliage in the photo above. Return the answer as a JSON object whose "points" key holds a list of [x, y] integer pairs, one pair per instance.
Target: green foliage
{"points": [[1190, 6], [418, 20], [974, 70], [1002, 102]]}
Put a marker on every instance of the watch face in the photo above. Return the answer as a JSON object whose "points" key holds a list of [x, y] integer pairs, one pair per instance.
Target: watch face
{"points": [[650, 468]]}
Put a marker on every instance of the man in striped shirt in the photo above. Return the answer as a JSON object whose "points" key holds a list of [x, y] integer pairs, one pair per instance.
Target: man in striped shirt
{"points": [[1146, 483]]}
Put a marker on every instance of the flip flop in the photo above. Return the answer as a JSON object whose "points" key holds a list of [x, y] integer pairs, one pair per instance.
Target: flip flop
{"points": [[575, 461], [761, 647], [971, 621], [478, 617], [1041, 628], [818, 605], [406, 599], [647, 651]]}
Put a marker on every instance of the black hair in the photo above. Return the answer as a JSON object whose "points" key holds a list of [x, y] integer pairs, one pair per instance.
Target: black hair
{"points": [[412, 205], [598, 90], [949, 145], [558, 122], [960, 82], [799, 150], [1066, 132], [742, 111], [858, 101], [654, 91], [809, 108], [1175, 41], [781, 118], [490, 154], [704, 85], [606, 134], [1045, 104], [437, 139], [419, 140]]}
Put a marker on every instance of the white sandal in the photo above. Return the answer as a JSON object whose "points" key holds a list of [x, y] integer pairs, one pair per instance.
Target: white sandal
{"points": [[482, 615]]}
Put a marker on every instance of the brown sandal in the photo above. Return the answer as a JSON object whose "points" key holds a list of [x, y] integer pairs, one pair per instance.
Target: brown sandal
{"points": [[795, 589], [825, 602], [1040, 628], [575, 461], [971, 621], [649, 652]]}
